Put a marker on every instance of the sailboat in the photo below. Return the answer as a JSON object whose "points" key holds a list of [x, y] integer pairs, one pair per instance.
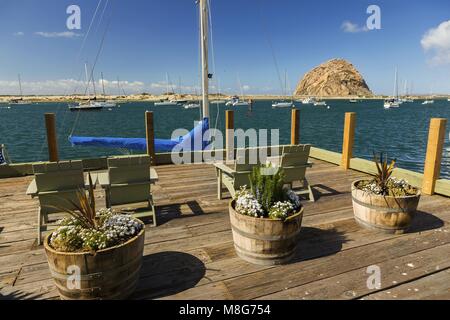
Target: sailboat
{"points": [[89, 105], [429, 101], [105, 103], [283, 104], [236, 101], [18, 100], [393, 102], [185, 143], [165, 103]]}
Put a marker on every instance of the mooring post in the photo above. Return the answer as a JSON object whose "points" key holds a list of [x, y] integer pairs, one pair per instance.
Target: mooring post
{"points": [[349, 137], [150, 136], [295, 127], [436, 139], [229, 134], [50, 125]]}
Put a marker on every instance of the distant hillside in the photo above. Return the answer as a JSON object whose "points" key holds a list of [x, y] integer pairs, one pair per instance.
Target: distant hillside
{"points": [[335, 78]]}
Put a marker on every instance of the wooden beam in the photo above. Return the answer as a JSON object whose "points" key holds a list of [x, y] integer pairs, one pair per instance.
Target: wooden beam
{"points": [[349, 137], [150, 136], [50, 125], [229, 134], [295, 127], [436, 139]]}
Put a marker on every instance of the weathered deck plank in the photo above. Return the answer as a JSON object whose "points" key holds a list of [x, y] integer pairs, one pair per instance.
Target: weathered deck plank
{"points": [[191, 255]]}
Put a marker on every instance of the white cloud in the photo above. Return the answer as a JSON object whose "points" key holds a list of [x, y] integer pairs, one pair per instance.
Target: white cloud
{"points": [[18, 34], [245, 87], [350, 27], [64, 34], [437, 41]]}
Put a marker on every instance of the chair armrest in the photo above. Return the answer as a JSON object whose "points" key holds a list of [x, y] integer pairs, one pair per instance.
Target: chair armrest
{"points": [[307, 165], [32, 189], [141, 183], [153, 176], [223, 167]]}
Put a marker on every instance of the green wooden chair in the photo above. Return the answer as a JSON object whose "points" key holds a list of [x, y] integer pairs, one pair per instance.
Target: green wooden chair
{"points": [[234, 174], [128, 181], [55, 184], [294, 162]]}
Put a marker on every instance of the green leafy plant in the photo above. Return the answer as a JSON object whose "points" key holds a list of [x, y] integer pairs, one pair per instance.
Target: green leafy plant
{"points": [[266, 184], [384, 170]]}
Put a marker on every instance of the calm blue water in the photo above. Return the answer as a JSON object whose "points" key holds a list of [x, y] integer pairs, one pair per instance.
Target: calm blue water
{"points": [[402, 133]]}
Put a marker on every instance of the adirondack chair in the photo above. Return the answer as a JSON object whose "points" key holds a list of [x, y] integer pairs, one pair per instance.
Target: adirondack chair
{"points": [[128, 181], [55, 184], [294, 162], [235, 174]]}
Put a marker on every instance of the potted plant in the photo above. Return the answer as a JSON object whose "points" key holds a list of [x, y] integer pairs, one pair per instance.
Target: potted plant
{"points": [[385, 203], [95, 254], [265, 219]]}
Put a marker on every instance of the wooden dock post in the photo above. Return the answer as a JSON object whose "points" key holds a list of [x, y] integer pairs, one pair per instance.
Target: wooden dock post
{"points": [[50, 125], [436, 139], [150, 136], [349, 137], [229, 134], [295, 127]]}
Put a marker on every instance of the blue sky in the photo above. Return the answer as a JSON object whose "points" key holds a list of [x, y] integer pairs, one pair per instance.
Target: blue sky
{"points": [[147, 38]]}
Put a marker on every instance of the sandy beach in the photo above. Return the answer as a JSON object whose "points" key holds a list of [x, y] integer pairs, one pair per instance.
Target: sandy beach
{"points": [[188, 97]]}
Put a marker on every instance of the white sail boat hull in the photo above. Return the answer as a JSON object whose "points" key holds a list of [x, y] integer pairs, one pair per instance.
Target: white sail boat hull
{"points": [[283, 105]]}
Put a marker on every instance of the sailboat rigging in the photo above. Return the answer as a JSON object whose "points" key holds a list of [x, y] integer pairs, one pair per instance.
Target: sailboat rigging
{"points": [[283, 103], [18, 100], [393, 102], [185, 142]]}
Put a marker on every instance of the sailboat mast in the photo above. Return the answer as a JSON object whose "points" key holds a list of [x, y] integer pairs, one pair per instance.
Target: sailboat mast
{"points": [[204, 53], [103, 85], [396, 83], [87, 78], [20, 85]]}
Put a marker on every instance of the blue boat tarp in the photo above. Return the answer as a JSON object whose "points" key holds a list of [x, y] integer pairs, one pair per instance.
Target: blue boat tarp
{"points": [[185, 143]]}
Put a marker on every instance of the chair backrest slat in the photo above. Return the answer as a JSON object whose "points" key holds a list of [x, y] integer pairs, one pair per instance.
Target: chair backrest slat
{"points": [[56, 176], [129, 169]]}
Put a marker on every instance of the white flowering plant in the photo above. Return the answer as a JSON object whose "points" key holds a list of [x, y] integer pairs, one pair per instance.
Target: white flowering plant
{"points": [[266, 198], [90, 230], [113, 229]]}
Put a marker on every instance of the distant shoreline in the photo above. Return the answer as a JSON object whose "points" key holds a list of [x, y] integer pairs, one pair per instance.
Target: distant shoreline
{"points": [[188, 97]]}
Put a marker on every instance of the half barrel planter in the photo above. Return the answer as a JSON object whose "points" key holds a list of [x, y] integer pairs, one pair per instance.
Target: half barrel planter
{"points": [[265, 241], [384, 213], [108, 274]]}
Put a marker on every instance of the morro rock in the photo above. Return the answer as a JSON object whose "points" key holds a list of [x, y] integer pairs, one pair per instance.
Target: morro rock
{"points": [[335, 78]]}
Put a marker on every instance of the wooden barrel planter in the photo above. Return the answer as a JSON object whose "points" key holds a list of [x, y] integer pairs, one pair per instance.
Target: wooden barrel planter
{"points": [[265, 241], [384, 213], [108, 274]]}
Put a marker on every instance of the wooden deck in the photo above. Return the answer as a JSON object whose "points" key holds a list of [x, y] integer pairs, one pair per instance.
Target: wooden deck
{"points": [[191, 256]]}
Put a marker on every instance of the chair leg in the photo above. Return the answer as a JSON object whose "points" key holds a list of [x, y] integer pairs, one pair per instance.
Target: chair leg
{"points": [[310, 191], [219, 185], [107, 198], [39, 226], [150, 204]]}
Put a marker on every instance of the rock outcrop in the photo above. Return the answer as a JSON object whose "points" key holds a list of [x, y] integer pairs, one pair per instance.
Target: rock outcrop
{"points": [[335, 78]]}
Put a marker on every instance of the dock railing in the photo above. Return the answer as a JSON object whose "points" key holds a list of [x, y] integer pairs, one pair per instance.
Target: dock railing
{"points": [[429, 181]]}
